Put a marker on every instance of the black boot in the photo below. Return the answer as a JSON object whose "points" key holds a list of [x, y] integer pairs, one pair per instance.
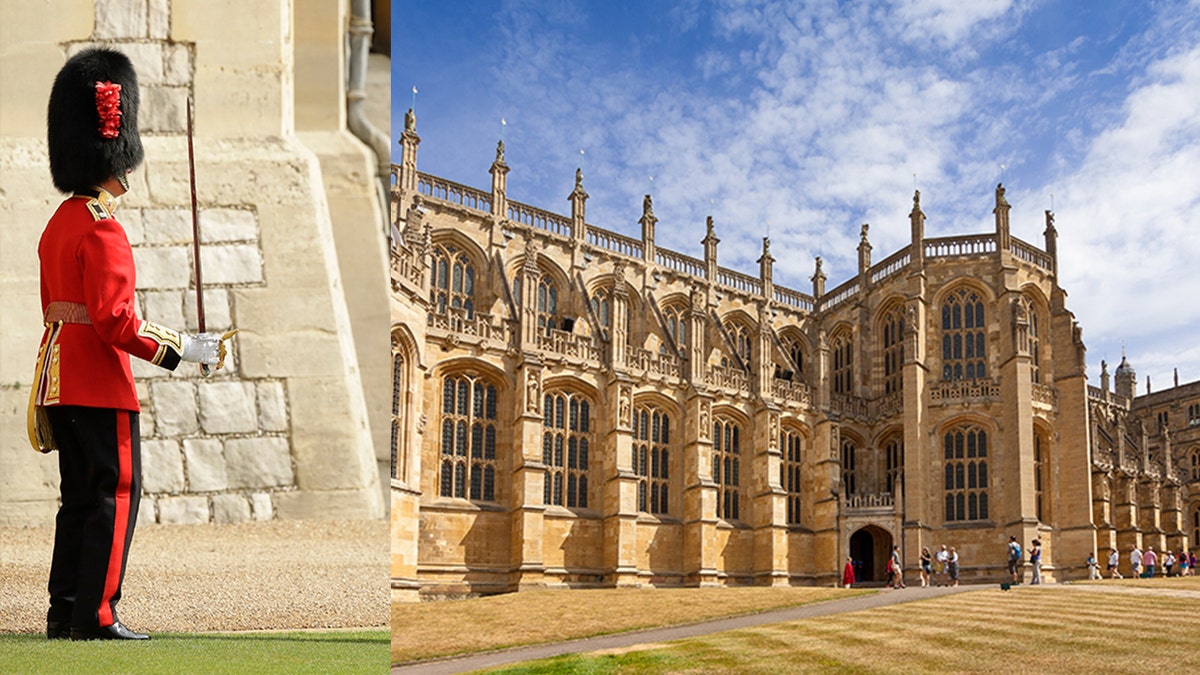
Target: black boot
{"points": [[116, 631]]}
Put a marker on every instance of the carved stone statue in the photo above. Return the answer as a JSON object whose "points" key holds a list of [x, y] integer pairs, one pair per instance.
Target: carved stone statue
{"points": [[704, 422], [410, 120], [579, 177], [625, 410], [500, 152], [647, 206], [532, 398]]}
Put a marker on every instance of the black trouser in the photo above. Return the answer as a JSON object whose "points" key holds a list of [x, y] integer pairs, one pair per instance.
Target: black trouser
{"points": [[99, 463]]}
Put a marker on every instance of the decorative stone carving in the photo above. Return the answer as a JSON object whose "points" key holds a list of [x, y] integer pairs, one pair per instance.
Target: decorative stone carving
{"points": [[625, 406], [773, 431], [532, 391], [705, 425]]}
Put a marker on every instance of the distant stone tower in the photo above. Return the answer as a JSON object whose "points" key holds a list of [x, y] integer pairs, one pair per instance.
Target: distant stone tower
{"points": [[1126, 379]]}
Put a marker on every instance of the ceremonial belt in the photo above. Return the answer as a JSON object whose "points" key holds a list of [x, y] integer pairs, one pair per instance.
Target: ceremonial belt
{"points": [[67, 312]]}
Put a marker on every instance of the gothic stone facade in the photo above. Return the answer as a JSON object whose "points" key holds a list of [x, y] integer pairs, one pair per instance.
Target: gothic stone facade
{"points": [[579, 408]]}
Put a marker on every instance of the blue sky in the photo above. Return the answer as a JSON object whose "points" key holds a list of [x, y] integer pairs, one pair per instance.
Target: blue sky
{"points": [[808, 119]]}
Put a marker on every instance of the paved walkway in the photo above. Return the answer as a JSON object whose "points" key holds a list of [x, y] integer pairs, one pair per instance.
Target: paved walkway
{"points": [[622, 640]]}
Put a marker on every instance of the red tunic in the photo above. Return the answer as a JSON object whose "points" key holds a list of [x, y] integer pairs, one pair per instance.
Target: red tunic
{"points": [[848, 574], [87, 263]]}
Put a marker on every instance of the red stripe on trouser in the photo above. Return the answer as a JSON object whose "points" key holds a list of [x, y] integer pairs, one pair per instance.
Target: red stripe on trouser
{"points": [[121, 519]]}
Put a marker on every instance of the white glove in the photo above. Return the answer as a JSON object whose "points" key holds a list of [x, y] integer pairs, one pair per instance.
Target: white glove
{"points": [[202, 348]]}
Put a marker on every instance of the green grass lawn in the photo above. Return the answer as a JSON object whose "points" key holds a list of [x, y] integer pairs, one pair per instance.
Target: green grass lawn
{"points": [[359, 651], [1034, 629]]}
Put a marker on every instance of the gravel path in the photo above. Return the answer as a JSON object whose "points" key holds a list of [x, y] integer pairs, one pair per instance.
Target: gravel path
{"points": [[249, 576]]}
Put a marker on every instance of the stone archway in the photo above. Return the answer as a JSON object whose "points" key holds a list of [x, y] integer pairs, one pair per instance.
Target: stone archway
{"points": [[869, 549]]}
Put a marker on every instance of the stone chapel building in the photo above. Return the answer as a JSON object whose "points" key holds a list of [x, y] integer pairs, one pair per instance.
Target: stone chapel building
{"points": [[574, 407]]}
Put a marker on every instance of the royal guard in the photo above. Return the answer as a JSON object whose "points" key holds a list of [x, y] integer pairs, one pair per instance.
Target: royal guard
{"points": [[84, 403]]}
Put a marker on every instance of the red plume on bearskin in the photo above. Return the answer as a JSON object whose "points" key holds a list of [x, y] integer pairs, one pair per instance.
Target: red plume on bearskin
{"points": [[92, 121]]}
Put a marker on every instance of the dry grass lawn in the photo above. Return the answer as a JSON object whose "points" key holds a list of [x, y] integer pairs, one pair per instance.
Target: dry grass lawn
{"points": [[1048, 629], [1177, 583], [426, 630]]}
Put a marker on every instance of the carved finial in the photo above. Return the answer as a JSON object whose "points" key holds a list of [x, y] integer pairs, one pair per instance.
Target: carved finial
{"points": [[1103, 367], [500, 152], [863, 233], [647, 206], [1000, 200], [579, 178], [818, 273], [410, 120], [916, 200], [766, 245], [708, 223]]}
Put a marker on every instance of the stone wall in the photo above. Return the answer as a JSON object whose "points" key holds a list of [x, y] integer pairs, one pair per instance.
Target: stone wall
{"points": [[284, 430]]}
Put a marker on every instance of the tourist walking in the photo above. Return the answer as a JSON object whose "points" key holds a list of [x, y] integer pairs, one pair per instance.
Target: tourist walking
{"points": [[1093, 568], [1168, 563], [1114, 561], [952, 566], [895, 569], [1035, 559], [1014, 558], [943, 559], [1135, 562], [926, 566], [1149, 560], [848, 573], [1183, 563]]}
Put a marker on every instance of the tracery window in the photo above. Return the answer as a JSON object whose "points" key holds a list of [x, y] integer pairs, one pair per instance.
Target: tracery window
{"points": [[1196, 525], [790, 443], [1035, 345], [727, 452], [894, 457], [964, 354], [1194, 415], [742, 340], [893, 350], [545, 302], [566, 439], [966, 476], [602, 306], [651, 458], [849, 467], [451, 281], [1196, 472], [843, 364], [795, 351], [676, 318], [1041, 451], [399, 386], [468, 457], [1164, 419]]}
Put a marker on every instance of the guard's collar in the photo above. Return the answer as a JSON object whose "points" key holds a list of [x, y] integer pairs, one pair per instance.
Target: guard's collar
{"points": [[104, 197]]}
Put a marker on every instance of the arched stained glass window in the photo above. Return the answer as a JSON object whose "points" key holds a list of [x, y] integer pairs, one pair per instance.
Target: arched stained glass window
{"points": [[964, 337], [452, 281], [727, 454], [652, 458], [791, 444], [468, 438], [566, 443], [965, 482]]}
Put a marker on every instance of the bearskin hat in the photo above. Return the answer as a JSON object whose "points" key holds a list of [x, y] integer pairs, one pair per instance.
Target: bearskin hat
{"points": [[92, 121]]}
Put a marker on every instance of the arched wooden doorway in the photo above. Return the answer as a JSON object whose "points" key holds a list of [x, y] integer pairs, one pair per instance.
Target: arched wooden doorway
{"points": [[869, 549]]}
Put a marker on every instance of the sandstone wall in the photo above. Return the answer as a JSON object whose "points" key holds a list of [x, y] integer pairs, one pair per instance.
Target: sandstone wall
{"points": [[284, 431]]}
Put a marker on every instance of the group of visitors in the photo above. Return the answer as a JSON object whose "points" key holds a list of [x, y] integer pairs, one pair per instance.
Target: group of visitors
{"points": [[1144, 565], [946, 574]]}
